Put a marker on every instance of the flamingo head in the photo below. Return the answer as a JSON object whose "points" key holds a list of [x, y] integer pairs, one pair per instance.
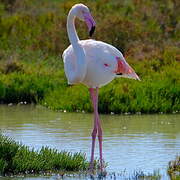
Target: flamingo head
{"points": [[83, 13], [124, 69]]}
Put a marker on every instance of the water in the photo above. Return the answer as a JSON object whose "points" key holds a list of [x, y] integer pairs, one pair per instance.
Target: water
{"points": [[130, 142]]}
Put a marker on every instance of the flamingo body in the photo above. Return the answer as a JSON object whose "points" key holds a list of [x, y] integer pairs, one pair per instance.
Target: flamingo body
{"points": [[101, 62]]}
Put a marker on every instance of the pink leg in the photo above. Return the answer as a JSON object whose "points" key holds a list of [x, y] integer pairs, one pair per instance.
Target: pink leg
{"points": [[97, 127], [94, 132]]}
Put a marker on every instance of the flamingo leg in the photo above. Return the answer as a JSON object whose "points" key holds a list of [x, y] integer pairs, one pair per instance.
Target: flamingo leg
{"points": [[94, 132], [97, 127]]}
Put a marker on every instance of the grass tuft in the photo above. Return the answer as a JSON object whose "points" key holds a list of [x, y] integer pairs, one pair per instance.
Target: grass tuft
{"points": [[16, 158], [174, 169]]}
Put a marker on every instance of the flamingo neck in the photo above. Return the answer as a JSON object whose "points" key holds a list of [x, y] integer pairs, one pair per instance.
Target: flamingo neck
{"points": [[72, 34], [80, 64]]}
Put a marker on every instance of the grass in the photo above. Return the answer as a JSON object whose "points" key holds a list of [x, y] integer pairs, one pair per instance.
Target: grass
{"points": [[16, 158], [174, 169], [32, 41], [136, 175], [44, 82]]}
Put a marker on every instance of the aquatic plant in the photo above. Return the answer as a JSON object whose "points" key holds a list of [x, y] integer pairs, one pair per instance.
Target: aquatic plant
{"points": [[174, 169], [16, 158]]}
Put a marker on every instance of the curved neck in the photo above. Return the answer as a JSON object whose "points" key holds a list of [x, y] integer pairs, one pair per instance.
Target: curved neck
{"points": [[80, 62], [72, 34]]}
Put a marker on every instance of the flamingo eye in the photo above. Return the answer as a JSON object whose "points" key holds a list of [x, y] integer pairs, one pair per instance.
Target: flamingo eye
{"points": [[106, 65]]}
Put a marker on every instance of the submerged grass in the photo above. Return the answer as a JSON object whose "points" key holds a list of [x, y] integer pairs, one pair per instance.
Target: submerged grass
{"points": [[174, 169], [16, 158]]}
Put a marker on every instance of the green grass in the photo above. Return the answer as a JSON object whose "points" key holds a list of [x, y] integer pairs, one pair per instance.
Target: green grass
{"points": [[16, 158], [32, 40], [49, 87]]}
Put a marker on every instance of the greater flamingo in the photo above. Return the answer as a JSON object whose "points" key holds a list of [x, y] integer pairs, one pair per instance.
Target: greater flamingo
{"points": [[94, 64]]}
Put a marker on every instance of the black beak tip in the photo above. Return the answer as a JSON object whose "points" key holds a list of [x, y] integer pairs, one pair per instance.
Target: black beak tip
{"points": [[119, 74], [92, 31]]}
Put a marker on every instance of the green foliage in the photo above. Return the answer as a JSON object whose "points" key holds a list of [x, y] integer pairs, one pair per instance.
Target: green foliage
{"points": [[146, 31], [47, 159], [16, 158], [8, 149], [13, 66]]}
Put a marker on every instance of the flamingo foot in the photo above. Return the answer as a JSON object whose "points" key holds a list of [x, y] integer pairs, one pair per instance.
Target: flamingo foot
{"points": [[91, 169]]}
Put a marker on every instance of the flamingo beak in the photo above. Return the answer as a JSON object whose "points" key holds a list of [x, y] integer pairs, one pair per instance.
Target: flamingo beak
{"points": [[90, 23], [125, 70], [91, 32]]}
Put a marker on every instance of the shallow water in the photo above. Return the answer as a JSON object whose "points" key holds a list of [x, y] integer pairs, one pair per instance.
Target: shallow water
{"points": [[130, 142]]}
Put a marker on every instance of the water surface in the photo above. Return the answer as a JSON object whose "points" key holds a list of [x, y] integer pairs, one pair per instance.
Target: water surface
{"points": [[131, 142]]}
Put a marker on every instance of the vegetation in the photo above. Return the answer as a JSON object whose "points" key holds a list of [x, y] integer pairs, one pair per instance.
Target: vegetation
{"points": [[174, 169], [16, 158], [33, 37]]}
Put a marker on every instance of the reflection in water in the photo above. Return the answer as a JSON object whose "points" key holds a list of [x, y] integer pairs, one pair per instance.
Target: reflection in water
{"points": [[145, 142]]}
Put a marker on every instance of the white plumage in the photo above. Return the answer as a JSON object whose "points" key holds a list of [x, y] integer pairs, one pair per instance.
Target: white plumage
{"points": [[100, 59]]}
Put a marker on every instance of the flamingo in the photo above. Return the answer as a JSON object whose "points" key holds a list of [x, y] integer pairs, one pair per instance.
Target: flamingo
{"points": [[94, 64]]}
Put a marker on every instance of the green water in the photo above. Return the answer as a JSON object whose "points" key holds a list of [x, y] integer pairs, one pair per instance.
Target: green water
{"points": [[130, 142]]}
